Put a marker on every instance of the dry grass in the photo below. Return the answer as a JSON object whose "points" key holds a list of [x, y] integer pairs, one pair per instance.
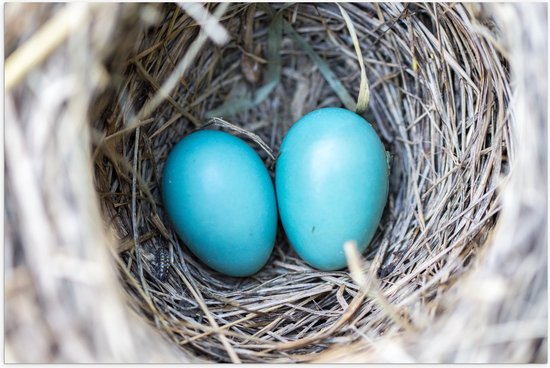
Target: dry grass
{"points": [[457, 271]]}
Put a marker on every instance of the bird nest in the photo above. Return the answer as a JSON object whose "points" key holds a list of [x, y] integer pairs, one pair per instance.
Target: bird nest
{"points": [[456, 271]]}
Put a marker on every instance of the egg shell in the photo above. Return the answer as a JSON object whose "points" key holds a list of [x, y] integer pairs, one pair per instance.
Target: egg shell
{"points": [[331, 182], [221, 201]]}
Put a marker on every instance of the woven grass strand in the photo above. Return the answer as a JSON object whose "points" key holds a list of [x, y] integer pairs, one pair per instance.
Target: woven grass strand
{"points": [[363, 98], [455, 93]]}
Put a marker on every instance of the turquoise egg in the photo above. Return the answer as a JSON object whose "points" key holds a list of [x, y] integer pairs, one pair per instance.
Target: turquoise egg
{"points": [[331, 181], [221, 201]]}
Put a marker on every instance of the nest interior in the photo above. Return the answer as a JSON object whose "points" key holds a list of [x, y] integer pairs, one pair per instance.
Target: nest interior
{"points": [[438, 99], [98, 94]]}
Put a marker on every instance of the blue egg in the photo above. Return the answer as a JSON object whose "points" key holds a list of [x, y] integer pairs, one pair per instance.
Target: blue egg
{"points": [[331, 181], [221, 201]]}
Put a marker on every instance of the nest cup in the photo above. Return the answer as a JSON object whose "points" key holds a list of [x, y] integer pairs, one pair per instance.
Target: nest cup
{"points": [[440, 97]]}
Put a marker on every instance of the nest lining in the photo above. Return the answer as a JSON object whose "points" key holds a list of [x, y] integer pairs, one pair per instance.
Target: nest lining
{"points": [[439, 97]]}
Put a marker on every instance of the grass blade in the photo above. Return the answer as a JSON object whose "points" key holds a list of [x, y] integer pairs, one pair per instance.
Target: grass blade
{"points": [[245, 101], [325, 70], [364, 93]]}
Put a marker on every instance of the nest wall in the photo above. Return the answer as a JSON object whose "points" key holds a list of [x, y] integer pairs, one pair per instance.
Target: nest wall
{"points": [[135, 79]]}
